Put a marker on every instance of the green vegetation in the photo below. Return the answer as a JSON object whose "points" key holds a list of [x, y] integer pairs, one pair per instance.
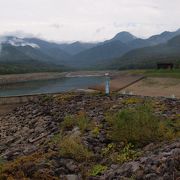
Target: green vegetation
{"points": [[97, 170], [116, 154], [138, 126], [1, 164], [71, 147], [46, 98], [80, 120], [127, 154], [68, 123], [15, 169], [65, 97], [109, 149], [163, 73], [95, 131], [148, 57], [28, 67], [132, 100], [175, 73]]}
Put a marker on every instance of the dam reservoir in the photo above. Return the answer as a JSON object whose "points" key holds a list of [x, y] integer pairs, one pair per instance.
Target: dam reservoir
{"points": [[64, 84]]}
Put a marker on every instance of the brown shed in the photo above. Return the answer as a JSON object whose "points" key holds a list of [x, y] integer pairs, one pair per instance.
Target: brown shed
{"points": [[165, 66]]}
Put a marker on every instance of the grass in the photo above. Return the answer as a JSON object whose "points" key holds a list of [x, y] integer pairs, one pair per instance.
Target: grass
{"points": [[175, 73], [131, 100], [163, 73], [127, 154], [97, 170], [138, 126], [68, 123], [15, 169], [71, 147], [80, 120]]}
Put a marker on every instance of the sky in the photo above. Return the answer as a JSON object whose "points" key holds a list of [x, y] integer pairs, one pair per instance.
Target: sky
{"points": [[87, 20]]}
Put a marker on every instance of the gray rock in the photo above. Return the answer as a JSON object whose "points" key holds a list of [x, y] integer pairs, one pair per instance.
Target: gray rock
{"points": [[72, 177], [151, 176]]}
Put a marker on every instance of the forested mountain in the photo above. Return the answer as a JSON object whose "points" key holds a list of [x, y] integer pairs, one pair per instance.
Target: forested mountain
{"points": [[148, 57], [24, 59], [76, 47], [124, 50], [102, 54], [97, 55]]}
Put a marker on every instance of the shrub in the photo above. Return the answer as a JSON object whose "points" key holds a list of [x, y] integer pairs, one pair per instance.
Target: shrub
{"points": [[169, 129], [95, 131], [132, 100], [46, 98], [97, 170], [127, 154], [109, 149], [21, 167], [138, 126], [82, 121], [72, 147], [68, 123], [65, 97]]}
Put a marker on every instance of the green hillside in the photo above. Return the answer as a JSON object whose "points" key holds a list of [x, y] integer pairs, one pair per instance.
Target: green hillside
{"points": [[149, 57], [22, 60]]}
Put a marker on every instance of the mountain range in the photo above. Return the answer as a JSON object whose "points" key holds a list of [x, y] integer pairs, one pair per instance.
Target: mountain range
{"points": [[123, 51], [148, 57]]}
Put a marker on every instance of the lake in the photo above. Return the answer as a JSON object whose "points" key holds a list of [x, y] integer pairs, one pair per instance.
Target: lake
{"points": [[49, 86]]}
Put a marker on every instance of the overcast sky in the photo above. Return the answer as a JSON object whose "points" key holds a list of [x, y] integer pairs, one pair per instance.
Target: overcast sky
{"points": [[88, 20]]}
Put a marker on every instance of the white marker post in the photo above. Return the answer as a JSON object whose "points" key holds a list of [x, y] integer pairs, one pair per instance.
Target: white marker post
{"points": [[107, 86]]}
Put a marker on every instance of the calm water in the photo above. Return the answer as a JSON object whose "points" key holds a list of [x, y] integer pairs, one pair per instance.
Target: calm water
{"points": [[49, 86]]}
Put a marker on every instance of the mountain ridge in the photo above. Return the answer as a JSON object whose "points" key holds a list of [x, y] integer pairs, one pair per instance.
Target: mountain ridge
{"points": [[80, 55]]}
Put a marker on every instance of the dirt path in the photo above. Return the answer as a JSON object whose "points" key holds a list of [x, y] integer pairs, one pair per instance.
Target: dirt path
{"points": [[156, 87]]}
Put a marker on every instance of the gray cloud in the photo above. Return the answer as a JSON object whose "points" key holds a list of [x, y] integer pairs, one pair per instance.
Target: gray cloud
{"points": [[56, 25], [99, 30], [21, 34], [80, 19]]}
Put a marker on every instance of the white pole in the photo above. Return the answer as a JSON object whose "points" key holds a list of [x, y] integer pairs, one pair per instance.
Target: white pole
{"points": [[107, 87]]}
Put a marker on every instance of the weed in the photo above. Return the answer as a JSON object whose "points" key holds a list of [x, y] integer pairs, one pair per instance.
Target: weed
{"points": [[1, 164], [132, 100], [138, 126], [82, 121], [109, 149], [64, 97], [72, 147], [68, 123], [127, 154], [47, 98], [95, 132], [97, 170]]}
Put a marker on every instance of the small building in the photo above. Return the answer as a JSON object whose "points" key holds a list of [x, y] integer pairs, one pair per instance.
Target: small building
{"points": [[165, 66]]}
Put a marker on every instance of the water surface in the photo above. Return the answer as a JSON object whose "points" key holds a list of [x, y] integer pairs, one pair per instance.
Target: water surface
{"points": [[49, 86]]}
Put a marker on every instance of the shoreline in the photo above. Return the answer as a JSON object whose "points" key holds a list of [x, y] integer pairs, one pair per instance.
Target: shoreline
{"points": [[20, 78]]}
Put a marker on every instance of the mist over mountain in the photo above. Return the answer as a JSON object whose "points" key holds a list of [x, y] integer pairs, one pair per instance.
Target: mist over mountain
{"points": [[124, 50], [19, 56]]}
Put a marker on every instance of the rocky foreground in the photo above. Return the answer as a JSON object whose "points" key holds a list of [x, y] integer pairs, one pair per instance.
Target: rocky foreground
{"points": [[32, 144]]}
